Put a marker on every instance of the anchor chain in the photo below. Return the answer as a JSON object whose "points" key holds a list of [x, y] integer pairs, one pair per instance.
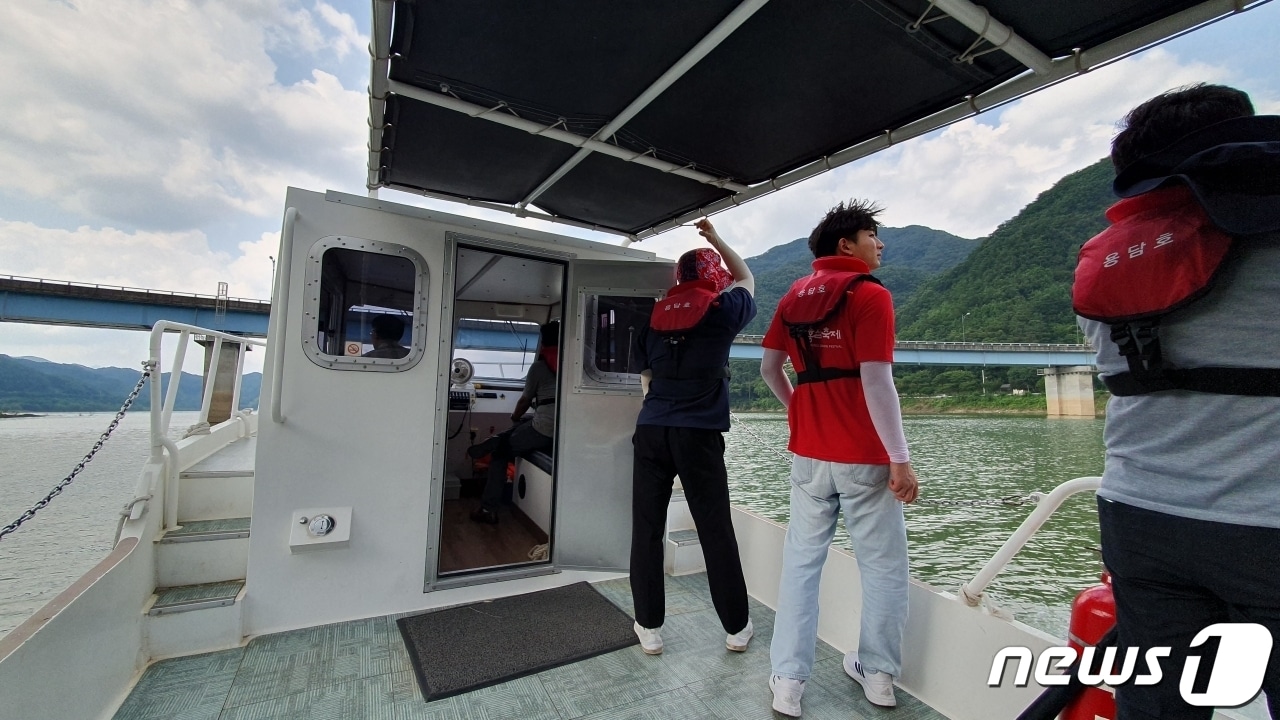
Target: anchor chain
{"points": [[147, 367], [1006, 501]]}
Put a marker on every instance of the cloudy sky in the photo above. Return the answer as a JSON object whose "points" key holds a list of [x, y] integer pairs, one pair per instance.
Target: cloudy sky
{"points": [[148, 143]]}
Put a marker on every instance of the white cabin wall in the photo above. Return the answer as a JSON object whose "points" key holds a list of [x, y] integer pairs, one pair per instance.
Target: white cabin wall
{"points": [[363, 440], [349, 439]]}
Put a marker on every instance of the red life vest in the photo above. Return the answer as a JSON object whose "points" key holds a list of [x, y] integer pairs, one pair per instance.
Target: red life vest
{"points": [[1161, 253], [683, 308], [808, 305], [679, 314]]}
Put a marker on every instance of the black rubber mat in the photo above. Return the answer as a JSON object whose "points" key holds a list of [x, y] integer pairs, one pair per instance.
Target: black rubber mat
{"points": [[465, 648]]}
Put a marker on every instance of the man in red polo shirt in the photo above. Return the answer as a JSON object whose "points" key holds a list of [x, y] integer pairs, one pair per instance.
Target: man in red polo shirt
{"points": [[836, 326]]}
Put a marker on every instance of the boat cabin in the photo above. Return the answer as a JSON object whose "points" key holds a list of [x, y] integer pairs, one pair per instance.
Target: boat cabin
{"points": [[373, 432]]}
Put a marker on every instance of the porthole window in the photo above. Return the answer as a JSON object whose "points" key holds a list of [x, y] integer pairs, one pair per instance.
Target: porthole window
{"points": [[366, 305], [612, 324]]}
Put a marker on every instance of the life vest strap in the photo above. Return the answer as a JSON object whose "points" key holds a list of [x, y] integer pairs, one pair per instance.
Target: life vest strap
{"points": [[1138, 342], [543, 403], [719, 374], [825, 374], [1256, 382]]}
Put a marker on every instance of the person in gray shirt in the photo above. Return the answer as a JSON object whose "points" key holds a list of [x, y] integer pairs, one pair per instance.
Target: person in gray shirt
{"points": [[537, 434], [1189, 506]]}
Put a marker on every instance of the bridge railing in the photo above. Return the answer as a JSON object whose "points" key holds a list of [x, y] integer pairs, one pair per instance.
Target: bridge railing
{"points": [[48, 283], [937, 345]]}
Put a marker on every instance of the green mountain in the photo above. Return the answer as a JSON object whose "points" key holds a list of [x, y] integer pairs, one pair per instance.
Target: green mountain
{"points": [[911, 255], [35, 385], [1016, 286]]}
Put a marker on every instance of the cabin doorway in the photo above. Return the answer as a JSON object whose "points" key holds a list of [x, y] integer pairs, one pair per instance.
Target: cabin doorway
{"points": [[499, 473]]}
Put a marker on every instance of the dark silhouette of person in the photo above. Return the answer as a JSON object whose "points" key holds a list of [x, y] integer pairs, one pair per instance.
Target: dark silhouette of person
{"points": [[523, 437], [386, 331]]}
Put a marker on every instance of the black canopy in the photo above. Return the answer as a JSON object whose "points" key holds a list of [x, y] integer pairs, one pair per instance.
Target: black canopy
{"points": [[693, 106]]}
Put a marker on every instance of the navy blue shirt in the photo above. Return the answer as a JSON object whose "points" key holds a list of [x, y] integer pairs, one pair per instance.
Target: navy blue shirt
{"points": [[699, 402]]}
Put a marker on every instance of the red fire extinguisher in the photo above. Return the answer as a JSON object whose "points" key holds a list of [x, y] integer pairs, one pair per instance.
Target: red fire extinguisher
{"points": [[1093, 614]]}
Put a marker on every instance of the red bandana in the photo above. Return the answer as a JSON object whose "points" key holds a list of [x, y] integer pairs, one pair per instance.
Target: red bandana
{"points": [[703, 264]]}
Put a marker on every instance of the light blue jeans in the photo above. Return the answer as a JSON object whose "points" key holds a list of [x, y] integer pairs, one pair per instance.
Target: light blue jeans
{"points": [[876, 526]]}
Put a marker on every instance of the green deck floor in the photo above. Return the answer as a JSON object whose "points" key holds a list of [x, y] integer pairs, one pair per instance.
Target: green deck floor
{"points": [[361, 670]]}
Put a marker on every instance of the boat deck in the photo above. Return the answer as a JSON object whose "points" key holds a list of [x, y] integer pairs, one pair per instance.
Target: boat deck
{"points": [[360, 669]]}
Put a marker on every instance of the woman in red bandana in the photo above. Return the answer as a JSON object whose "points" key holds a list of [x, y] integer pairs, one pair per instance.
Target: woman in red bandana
{"points": [[680, 431]]}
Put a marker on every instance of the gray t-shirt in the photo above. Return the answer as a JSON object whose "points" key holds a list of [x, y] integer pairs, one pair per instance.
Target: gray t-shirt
{"points": [[1201, 455], [540, 383]]}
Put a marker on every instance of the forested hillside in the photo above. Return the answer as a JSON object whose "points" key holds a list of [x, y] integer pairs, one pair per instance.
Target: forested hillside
{"points": [[32, 385], [1016, 286], [911, 255]]}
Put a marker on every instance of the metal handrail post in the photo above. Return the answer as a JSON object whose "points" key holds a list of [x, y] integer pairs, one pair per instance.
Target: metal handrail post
{"points": [[280, 303], [210, 379], [1046, 506], [235, 388], [175, 377]]}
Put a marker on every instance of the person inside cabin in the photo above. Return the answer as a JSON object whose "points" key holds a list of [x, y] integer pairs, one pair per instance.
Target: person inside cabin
{"points": [[849, 453], [385, 332], [1191, 484], [536, 434], [683, 354]]}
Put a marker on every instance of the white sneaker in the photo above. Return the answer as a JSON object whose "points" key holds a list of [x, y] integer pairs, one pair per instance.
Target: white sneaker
{"points": [[650, 640], [878, 687], [786, 694], [738, 641]]}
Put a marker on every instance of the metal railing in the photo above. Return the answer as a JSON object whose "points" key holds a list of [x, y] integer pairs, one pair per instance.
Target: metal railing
{"points": [[162, 409], [1046, 505], [125, 288], [952, 345]]}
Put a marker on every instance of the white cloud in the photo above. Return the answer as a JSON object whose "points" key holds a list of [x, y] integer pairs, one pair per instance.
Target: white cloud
{"points": [[348, 37], [176, 261], [169, 115], [971, 176], [168, 118]]}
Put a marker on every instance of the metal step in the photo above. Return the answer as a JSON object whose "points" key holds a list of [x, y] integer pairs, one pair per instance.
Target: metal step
{"points": [[215, 473], [199, 530], [684, 537], [195, 597]]}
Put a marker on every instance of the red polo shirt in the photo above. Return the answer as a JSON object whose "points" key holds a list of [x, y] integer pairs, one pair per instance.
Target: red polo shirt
{"points": [[829, 420]]}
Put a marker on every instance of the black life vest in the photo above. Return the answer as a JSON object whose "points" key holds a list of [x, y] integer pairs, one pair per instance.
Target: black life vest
{"points": [[676, 317], [1162, 252], [806, 308]]}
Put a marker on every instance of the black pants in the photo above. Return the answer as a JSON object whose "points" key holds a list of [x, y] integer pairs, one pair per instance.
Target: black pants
{"points": [[697, 456], [518, 440], [1175, 576]]}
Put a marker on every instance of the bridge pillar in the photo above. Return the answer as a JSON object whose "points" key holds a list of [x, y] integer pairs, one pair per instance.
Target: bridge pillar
{"points": [[223, 378], [1069, 391]]}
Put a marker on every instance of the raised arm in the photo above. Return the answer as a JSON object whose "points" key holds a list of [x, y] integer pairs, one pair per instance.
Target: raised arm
{"points": [[737, 267]]}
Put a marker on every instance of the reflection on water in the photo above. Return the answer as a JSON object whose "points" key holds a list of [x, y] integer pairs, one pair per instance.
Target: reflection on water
{"points": [[959, 458]]}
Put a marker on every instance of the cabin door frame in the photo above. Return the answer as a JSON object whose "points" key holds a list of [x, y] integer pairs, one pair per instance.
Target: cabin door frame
{"points": [[448, 317], [598, 410]]}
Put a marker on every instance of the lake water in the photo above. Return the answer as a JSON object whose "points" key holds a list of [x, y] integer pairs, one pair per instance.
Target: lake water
{"points": [[957, 458], [75, 531], [966, 458]]}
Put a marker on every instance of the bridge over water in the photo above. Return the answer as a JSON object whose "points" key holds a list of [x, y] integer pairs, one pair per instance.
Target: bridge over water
{"points": [[56, 302], [1068, 367]]}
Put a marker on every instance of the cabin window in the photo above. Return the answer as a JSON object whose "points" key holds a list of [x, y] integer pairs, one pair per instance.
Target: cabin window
{"points": [[497, 349], [365, 305], [612, 328]]}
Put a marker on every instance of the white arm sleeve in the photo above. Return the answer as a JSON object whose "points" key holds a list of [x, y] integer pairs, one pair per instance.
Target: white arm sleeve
{"points": [[882, 404]]}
